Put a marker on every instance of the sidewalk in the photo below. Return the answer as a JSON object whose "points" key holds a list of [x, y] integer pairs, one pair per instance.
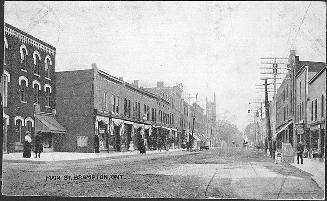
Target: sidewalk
{"points": [[69, 156], [314, 167]]}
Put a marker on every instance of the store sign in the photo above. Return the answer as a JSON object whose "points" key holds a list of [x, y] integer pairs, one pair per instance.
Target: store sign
{"points": [[300, 130], [101, 131]]}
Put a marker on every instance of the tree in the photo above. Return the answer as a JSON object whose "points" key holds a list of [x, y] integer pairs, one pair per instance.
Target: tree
{"points": [[228, 132]]}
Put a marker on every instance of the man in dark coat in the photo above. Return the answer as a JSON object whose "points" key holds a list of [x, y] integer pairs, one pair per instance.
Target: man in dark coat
{"points": [[96, 144], [38, 144], [299, 151]]}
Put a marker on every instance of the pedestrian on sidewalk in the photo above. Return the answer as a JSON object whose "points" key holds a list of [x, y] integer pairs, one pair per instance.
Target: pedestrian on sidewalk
{"points": [[38, 144], [96, 144], [27, 145], [299, 152], [142, 147]]}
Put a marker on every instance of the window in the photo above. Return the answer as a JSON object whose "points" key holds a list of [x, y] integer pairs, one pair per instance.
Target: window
{"points": [[47, 67], [148, 112], [302, 111], [4, 87], [23, 90], [139, 110], [37, 58], [5, 46], [47, 96], [113, 103], [311, 110], [36, 93], [129, 108], [300, 90], [316, 110], [117, 104], [286, 90], [125, 106], [322, 105], [29, 126], [19, 125], [23, 56], [82, 141], [105, 102]]}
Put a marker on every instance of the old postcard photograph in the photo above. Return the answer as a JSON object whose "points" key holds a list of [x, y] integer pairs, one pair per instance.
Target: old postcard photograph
{"points": [[181, 100]]}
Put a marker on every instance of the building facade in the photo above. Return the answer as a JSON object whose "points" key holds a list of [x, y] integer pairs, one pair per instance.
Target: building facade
{"points": [[28, 91], [100, 110], [211, 121], [316, 105]]}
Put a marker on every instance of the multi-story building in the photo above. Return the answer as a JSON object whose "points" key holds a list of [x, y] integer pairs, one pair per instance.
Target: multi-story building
{"points": [[199, 124], [316, 105], [284, 123], [174, 96], [97, 108], [307, 70], [28, 89]]}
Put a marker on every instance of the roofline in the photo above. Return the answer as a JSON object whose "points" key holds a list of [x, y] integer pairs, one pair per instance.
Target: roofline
{"points": [[317, 75], [28, 35]]}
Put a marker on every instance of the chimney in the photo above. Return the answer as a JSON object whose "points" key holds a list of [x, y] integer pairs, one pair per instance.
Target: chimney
{"points": [[136, 83], [160, 84], [94, 66]]}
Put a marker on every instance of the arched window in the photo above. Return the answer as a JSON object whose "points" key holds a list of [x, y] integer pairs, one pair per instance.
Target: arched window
{"points": [[23, 82], [5, 44], [37, 59], [47, 94], [29, 123], [23, 56], [37, 87], [19, 123], [48, 64], [4, 87]]}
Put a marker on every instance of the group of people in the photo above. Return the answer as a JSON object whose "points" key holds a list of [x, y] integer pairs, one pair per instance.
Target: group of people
{"points": [[38, 146]]}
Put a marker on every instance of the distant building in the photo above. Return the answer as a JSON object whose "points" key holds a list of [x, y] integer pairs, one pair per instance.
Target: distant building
{"points": [[211, 118], [28, 90]]}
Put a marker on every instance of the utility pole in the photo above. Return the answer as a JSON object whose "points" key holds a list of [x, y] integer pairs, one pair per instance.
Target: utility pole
{"points": [[268, 128]]}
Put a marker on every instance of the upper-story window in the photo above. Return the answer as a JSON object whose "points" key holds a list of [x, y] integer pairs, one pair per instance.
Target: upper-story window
{"points": [[311, 110], [5, 47], [115, 104], [37, 59], [4, 87], [300, 90], [105, 102], [37, 87], [48, 64], [23, 82], [322, 105], [47, 89], [23, 56], [316, 105]]}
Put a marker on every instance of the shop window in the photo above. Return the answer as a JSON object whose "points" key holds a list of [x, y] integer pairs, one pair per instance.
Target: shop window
{"points": [[82, 141]]}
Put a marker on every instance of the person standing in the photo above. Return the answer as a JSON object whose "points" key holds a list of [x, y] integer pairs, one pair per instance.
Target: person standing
{"points": [[96, 144], [299, 152], [38, 144], [27, 145]]}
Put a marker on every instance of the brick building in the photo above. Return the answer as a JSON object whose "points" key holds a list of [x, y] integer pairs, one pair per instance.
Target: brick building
{"points": [[316, 105], [174, 96], [96, 107], [306, 71], [28, 91]]}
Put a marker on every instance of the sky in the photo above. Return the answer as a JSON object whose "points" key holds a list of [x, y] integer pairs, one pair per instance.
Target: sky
{"points": [[209, 47]]}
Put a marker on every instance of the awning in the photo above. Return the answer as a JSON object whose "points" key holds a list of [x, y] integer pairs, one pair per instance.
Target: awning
{"points": [[48, 124], [283, 128]]}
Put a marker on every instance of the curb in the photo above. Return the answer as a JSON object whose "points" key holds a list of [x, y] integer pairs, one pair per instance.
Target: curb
{"points": [[88, 159]]}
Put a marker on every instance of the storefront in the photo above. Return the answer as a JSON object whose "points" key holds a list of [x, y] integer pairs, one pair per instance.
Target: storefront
{"points": [[51, 131], [317, 139], [5, 124]]}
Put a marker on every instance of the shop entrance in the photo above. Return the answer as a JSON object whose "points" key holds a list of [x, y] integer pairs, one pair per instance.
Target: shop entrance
{"points": [[103, 136]]}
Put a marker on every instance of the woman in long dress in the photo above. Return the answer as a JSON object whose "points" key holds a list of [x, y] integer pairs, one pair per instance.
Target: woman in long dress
{"points": [[27, 145]]}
